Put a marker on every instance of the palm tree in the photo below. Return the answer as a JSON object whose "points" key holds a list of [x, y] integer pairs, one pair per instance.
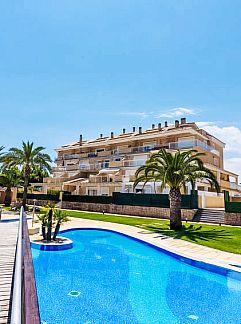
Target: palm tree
{"points": [[9, 179], [1, 148], [60, 217], [175, 170], [28, 158]]}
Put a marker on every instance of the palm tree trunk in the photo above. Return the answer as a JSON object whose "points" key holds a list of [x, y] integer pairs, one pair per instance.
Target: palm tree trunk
{"points": [[44, 231], [25, 187], [50, 223], [8, 197], [175, 209], [56, 232]]}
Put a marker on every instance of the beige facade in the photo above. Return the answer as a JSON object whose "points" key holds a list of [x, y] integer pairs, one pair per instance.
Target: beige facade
{"points": [[108, 163]]}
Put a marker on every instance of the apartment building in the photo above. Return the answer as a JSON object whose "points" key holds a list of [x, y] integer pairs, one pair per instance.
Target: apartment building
{"points": [[108, 163]]}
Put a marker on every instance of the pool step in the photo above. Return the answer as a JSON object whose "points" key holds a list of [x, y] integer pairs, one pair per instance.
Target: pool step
{"points": [[206, 215]]}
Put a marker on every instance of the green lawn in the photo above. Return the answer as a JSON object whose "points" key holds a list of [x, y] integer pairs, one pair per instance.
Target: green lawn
{"points": [[223, 238]]}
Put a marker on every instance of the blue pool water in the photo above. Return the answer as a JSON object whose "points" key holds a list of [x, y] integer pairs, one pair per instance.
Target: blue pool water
{"points": [[110, 278]]}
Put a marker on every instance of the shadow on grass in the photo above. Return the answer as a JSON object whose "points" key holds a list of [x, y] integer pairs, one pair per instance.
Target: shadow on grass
{"points": [[191, 232]]}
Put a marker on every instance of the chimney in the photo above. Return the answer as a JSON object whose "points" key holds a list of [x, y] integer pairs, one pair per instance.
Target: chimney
{"points": [[183, 121], [101, 135], [176, 123], [80, 139], [134, 129], [153, 126], [166, 124], [140, 130], [159, 126], [111, 135], [123, 131]]}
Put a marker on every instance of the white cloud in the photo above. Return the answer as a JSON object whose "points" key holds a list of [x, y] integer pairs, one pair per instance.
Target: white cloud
{"points": [[231, 135], [233, 164], [177, 112], [141, 114]]}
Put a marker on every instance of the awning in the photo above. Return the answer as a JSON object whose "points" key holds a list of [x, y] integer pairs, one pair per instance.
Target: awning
{"points": [[75, 180], [109, 171]]}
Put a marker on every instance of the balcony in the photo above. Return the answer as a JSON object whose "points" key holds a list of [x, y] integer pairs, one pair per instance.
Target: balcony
{"points": [[105, 179], [71, 156], [235, 186], [89, 167], [225, 184], [72, 167], [133, 163], [192, 144], [59, 169], [142, 149]]}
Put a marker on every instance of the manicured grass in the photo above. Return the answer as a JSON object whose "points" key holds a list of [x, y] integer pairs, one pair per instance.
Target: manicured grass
{"points": [[225, 238], [5, 208]]}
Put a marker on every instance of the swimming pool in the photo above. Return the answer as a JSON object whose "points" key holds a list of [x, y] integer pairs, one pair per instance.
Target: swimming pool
{"points": [[109, 278]]}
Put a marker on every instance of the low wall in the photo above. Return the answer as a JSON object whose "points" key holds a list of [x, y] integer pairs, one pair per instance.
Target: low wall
{"points": [[214, 202], [187, 214], [232, 219], [210, 200], [39, 202], [235, 199]]}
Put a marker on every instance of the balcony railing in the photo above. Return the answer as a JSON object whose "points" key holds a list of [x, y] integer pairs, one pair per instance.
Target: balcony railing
{"points": [[188, 144], [100, 179], [71, 156], [133, 163], [235, 186], [59, 169], [192, 144]]}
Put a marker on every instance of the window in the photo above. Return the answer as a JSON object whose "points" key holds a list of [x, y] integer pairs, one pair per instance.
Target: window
{"points": [[105, 164], [92, 192]]}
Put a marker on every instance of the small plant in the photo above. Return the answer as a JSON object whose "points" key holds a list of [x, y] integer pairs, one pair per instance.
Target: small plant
{"points": [[43, 220], [60, 217], [52, 218]]}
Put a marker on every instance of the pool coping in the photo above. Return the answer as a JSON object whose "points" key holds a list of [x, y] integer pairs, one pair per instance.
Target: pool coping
{"points": [[52, 246], [226, 269]]}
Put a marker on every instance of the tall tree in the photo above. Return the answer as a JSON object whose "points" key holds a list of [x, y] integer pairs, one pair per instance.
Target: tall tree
{"points": [[28, 159], [10, 179], [1, 148], [175, 170]]}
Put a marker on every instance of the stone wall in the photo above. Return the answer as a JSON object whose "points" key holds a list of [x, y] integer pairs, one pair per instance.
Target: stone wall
{"points": [[232, 219], [39, 202], [187, 214]]}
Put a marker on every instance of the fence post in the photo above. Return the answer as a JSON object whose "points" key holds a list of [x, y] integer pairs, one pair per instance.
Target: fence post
{"points": [[194, 199]]}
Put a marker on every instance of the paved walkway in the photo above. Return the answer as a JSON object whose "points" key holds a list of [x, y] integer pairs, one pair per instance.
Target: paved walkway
{"points": [[8, 238], [184, 248]]}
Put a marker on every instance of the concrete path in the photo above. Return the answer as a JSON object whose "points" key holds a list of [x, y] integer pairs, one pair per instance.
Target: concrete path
{"points": [[184, 248], [8, 239]]}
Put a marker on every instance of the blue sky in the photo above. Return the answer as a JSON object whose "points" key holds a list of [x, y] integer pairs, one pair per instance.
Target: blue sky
{"points": [[69, 67]]}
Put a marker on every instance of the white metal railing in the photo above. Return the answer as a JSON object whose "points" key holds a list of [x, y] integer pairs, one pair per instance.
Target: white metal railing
{"points": [[188, 144], [134, 163], [17, 297], [235, 186], [24, 306]]}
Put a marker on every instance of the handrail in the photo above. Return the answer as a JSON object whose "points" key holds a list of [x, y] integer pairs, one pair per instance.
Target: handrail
{"points": [[16, 314], [24, 308]]}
